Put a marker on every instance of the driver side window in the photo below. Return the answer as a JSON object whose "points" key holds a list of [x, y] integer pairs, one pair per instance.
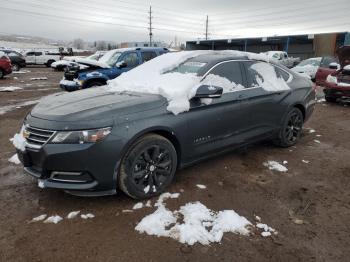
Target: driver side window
{"points": [[131, 59]]}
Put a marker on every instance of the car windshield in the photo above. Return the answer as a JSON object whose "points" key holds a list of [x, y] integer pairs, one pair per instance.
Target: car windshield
{"points": [[312, 62], [189, 66], [110, 58]]}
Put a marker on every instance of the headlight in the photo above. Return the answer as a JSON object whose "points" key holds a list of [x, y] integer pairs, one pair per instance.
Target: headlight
{"points": [[81, 137], [332, 79]]}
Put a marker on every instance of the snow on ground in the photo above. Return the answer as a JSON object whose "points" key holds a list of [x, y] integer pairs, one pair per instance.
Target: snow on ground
{"points": [[38, 78], [179, 88], [317, 141], [274, 165], [39, 218], [312, 131], [5, 109], [195, 223], [9, 88], [87, 216], [73, 214], [14, 159], [201, 186], [19, 141], [305, 161], [138, 205], [21, 72], [53, 219]]}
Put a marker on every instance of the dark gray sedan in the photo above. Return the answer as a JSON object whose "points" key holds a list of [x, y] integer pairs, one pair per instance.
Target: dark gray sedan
{"points": [[96, 142]]}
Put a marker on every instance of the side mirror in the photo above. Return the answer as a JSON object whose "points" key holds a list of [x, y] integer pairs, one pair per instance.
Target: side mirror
{"points": [[208, 91], [334, 66], [121, 64]]}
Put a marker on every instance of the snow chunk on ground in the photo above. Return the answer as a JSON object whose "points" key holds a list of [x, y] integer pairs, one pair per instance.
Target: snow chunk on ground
{"points": [[201, 186], [53, 219], [73, 214], [19, 141], [87, 216], [38, 78], [14, 159], [9, 88], [39, 218], [138, 206], [274, 165], [199, 224], [317, 141], [312, 131], [305, 161]]}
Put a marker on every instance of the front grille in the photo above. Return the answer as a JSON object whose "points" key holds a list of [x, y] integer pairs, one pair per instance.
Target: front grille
{"points": [[37, 137]]}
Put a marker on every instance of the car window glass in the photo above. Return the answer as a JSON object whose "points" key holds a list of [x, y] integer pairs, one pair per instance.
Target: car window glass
{"points": [[282, 74], [148, 55], [131, 59], [12, 54], [227, 75], [38, 53], [30, 54]]}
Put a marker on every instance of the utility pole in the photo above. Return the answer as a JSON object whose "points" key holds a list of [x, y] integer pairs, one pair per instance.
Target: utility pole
{"points": [[206, 28], [150, 26]]}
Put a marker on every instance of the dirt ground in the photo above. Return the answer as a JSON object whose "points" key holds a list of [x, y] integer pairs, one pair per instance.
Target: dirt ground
{"points": [[309, 205]]}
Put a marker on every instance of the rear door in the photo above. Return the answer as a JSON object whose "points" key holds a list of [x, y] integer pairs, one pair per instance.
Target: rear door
{"points": [[30, 57], [131, 59], [39, 58], [147, 55]]}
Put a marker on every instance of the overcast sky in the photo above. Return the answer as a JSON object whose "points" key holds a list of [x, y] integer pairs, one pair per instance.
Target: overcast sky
{"points": [[124, 20]]}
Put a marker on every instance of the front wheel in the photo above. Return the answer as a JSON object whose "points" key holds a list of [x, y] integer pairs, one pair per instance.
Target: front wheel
{"points": [[291, 129], [148, 167], [15, 67]]}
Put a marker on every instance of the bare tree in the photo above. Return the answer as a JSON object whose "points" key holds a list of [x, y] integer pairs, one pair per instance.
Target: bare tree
{"points": [[78, 43], [101, 45]]}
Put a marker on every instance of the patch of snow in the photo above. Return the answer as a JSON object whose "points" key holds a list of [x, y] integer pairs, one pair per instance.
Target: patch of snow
{"points": [[318, 135], [164, 197], [21, 72], [201, 186], [53, 219], [332, 79], [266, 234], [305, 161], [5, 109], [138, 205], [267, 230], [127, 211], [9, 88], [73, 214], [38, 78], [257, 218], [69, 82], [317, 141], [39, 218], [343, 84], [14, 159], [285, 162], [148, 204], [146, 189], [87, 216], [274, 165], [347, 67], [19, 141], [312, 131], [41, 183], [179, 88]]}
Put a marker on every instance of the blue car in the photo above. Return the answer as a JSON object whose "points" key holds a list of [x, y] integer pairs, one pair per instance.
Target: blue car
{"points": [[86, 73]]}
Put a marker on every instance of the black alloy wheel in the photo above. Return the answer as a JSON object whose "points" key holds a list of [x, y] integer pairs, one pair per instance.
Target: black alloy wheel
{"points": [[148, 168]]}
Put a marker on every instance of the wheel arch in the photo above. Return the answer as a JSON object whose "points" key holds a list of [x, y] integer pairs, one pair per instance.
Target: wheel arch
{"points": [[302, 108], [95, 79]]}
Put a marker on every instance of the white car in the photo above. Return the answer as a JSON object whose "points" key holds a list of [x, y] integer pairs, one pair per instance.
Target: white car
{"points": [[41, 57], [308, 67]]}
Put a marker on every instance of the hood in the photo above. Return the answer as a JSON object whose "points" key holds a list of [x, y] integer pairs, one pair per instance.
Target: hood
{"points": [[92, 63], [97, 104], [344, 55]]}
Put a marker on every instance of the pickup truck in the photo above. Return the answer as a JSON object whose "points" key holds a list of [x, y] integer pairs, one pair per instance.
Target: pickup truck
{"points": [[282, 58], [86, 73], [42, 57]]}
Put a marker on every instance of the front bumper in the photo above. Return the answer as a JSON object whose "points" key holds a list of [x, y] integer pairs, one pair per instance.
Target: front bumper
{"points": [[81, 169], [71, 87], [337, 92]]}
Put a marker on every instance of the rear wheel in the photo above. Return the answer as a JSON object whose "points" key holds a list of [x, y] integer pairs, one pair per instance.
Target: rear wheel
{"points": [[48, 64], [148, 167], [291, 129]]}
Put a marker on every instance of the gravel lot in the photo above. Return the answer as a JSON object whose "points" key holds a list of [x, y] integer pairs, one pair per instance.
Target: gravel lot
{"points": [[309, 205]]}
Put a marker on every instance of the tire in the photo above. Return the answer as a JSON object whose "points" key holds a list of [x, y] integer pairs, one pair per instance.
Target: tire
{"points": [[330, 99], [93, 84], [48, 63], [291, 129], [15, 67], [1, 74], [148, 167]]}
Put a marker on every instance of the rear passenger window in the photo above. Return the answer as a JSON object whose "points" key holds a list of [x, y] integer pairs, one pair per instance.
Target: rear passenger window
{"points": [[229, 70], [282, 74], [146, 56], [131, 59], [38, 53]]}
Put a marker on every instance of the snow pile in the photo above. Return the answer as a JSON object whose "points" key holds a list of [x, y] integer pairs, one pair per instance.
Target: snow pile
{"points": [[267, 231], [87, 216], [201, 186], [199, 224], [9, 88], [39, 218], [19, 141], [274, 165], [156, 77], [138, 205], [53, 219], [14, 159], [73, 214]]}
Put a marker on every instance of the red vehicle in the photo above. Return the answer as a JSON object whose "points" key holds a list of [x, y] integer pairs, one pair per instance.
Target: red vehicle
{"points": [[337, 84], [327, 67], [5, 65]]}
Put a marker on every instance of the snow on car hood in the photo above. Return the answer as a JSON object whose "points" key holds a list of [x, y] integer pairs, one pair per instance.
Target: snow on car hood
{"points": [[179, 88], [90, 62]]}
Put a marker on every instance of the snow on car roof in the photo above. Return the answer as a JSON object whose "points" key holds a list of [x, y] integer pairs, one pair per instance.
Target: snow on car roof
{"points": [[155, 77]]}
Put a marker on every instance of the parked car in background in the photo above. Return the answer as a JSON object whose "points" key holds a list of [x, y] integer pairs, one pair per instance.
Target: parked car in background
{"points": [[308, 67], [44, 57], [282, 58], [99, 141], [5, 65], [337, 84], [66, 61], [110, 66], [18, 61], [327, 66]]}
